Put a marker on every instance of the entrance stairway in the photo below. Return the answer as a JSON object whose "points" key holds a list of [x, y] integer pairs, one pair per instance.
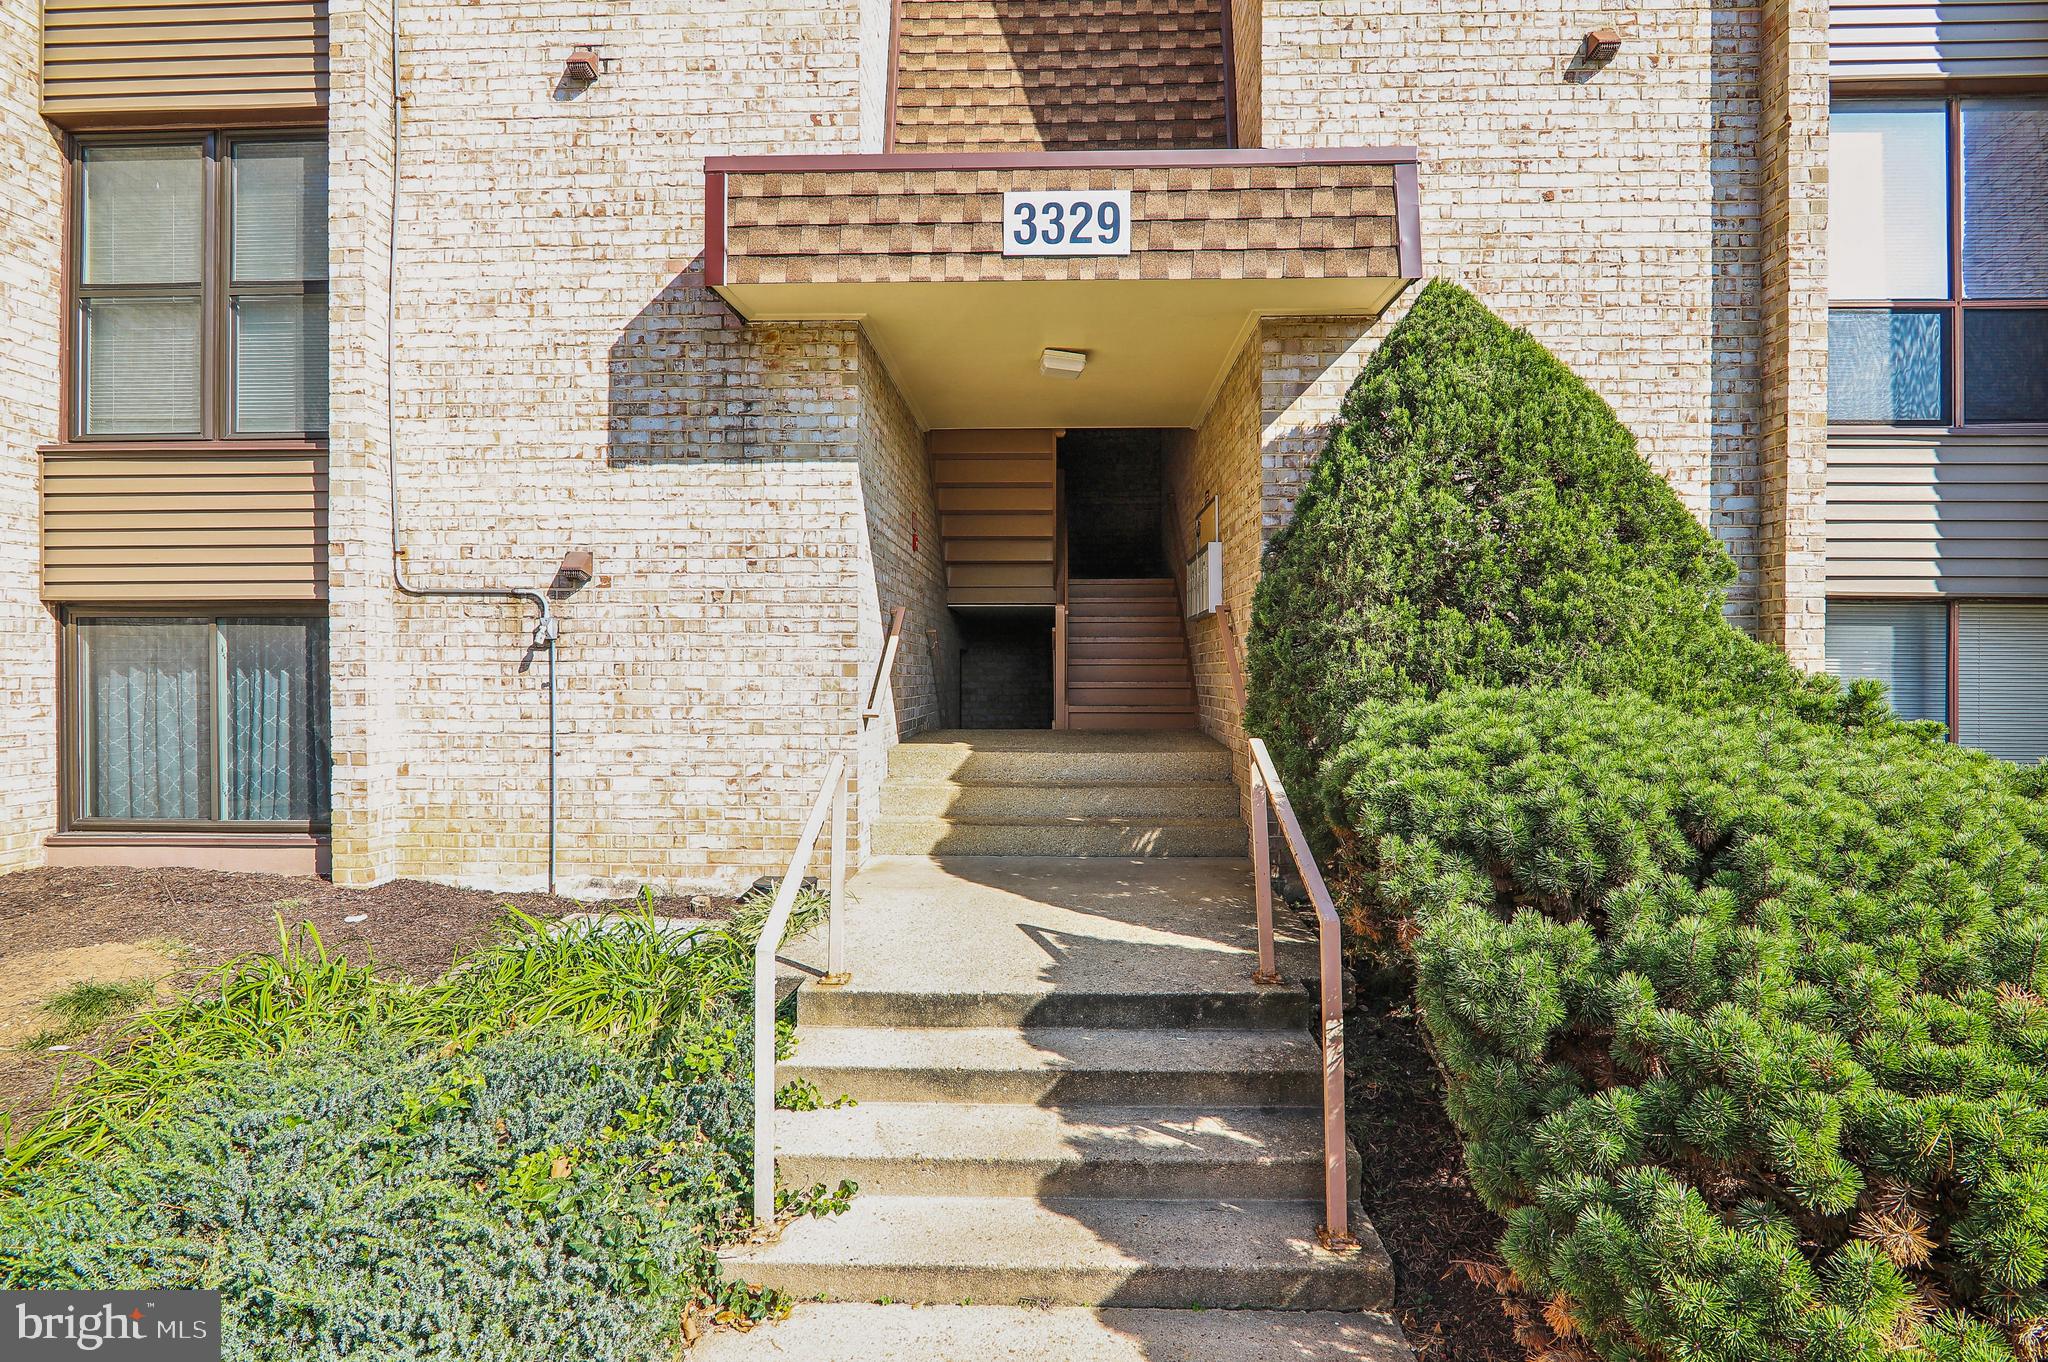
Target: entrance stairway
{"points": [[1127, 655], [1034, 792], [1080, 1131]]}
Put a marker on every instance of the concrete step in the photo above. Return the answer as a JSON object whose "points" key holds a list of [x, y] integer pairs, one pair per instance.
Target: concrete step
{"points": [[930, 835], [1061, 1064], [1071, 1251], [1040, 756], [1251, 1008], [1009, 1149], [1030, 800], [1028, 1333], [1118, 718]]}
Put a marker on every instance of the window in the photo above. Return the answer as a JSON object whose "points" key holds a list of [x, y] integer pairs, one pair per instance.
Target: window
{"points": [[184, 720], [1996, 651], [200, 272], [1903, 645], [1938, 262]]}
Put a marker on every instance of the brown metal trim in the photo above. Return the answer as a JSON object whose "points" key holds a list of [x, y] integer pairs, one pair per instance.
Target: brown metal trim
{"points": [[1408, 217], [70, 749], [201, 119], [71, 216], [282, 838], [714, 227], [1907, 87], [215, 290], [129, 444], [1207, 157], [895, 74], [1955, 670], [1955, 306], [1229, 18]]}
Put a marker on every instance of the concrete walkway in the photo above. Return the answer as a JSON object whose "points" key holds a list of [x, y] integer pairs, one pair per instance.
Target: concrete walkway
{"points": [[1076, 1117]]}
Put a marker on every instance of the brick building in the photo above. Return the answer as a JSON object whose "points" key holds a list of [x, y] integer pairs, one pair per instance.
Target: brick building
{"points": [[717, 334]]}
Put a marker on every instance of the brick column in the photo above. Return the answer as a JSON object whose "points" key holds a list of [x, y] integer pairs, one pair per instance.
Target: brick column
{"points": [[1793, 401], [366, 679], [31, 254]]}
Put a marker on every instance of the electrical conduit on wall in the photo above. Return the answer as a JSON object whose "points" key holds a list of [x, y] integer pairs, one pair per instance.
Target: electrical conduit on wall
{"points": [[546, 632]]}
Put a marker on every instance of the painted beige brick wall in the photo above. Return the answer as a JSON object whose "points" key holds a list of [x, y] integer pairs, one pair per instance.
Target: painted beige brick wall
{"points": [[30, 258], [565, 382], [1619, 214]]}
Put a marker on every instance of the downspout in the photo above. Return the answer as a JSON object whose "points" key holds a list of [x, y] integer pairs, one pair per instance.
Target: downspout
{"points": [[545, 630]]}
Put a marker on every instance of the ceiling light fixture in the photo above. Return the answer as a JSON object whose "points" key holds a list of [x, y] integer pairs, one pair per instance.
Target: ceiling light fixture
{"points": [[1062, 363]]}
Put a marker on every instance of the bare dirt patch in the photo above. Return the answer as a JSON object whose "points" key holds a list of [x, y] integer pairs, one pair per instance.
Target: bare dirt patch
{"points": [[1417, 1194], [60, 927]]}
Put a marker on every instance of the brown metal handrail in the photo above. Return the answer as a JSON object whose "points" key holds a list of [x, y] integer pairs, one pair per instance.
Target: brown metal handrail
{"points": [[873, 709], [1269, 793], [1060, 717]]}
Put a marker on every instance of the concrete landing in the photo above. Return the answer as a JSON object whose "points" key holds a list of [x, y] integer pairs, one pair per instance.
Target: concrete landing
{"points": [[978, 1333], [1052, 941]]}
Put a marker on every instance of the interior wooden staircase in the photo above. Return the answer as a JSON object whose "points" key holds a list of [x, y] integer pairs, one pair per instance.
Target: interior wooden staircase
{"points": [[1126, 655]]}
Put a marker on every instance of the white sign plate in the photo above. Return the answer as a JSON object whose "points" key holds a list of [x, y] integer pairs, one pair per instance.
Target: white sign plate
{"points": [[1067, 222]]}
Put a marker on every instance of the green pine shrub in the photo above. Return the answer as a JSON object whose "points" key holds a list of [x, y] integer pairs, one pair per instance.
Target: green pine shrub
{"points": [[1737, 982], [1480, 517], [1742, 1017]]}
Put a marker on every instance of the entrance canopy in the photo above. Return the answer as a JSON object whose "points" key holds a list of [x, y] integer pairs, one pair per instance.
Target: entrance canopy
{"points": [[965, 269]]}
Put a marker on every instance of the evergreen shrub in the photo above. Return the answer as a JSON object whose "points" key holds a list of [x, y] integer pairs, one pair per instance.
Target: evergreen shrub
{"points": [[1737, 981], [1742, 1017], [1480, 517]]}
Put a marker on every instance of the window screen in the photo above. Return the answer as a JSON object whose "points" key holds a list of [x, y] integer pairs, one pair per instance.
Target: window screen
{"points": [[1903, 645], [2003, 668]]}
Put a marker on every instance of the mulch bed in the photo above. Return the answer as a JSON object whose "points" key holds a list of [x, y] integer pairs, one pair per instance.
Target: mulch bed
{"points": [[208, 917], [1417, 1195]]}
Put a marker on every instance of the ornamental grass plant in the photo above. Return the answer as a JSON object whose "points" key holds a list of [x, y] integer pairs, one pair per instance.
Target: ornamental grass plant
{"points": [[538, 1153], [1736, 981]]}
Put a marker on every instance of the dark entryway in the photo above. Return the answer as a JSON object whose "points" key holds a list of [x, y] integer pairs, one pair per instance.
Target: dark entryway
{"points": [[1115, 499], [1005, 669]]}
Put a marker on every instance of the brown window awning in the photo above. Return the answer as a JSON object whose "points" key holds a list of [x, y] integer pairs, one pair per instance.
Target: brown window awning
{"points": [[912, 246]]}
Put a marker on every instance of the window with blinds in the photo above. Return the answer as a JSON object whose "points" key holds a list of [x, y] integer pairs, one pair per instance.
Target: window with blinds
{"points": [[2002, 660], [1904, 645], [201, 277]]}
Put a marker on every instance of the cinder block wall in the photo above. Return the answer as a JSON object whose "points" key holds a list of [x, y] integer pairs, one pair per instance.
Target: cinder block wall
{"points": [[31, 254], [1655, 221], [565, 382]]}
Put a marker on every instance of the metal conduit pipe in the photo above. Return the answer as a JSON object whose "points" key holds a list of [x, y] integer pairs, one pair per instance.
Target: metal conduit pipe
{"points": [[545, 630]]}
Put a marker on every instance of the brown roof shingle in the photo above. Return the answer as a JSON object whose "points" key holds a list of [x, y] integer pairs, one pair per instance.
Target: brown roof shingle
{"points": [[1059, 75]]}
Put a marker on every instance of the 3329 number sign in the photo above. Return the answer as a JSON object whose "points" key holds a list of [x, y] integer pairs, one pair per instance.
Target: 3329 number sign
{"points": [[1067, 222]]}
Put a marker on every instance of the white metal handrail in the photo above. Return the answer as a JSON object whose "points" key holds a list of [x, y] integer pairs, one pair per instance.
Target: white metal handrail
{"points": [[831, 797]]}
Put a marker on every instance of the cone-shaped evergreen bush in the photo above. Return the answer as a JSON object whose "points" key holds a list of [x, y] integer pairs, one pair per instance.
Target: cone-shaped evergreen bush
{"points": [[1739, 985], [1480, 517]]}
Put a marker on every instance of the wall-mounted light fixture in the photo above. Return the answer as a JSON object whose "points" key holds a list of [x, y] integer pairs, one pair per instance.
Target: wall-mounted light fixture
{"points": [[1062, 363], [1600, 45], [578, 566], [583, 67]]}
